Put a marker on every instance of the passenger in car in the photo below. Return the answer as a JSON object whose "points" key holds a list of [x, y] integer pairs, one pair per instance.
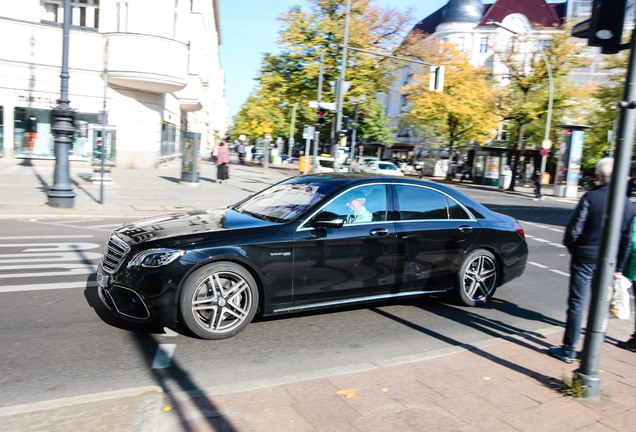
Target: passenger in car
{"points": [[359, 212]]}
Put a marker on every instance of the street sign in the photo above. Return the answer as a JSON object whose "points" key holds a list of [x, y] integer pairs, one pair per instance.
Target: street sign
{"points": [[268, 136], [544, 152], [546, 144], [331, 106], [308, 131]]}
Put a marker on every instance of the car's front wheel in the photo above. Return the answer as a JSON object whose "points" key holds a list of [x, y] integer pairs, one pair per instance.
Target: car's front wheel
{"points": [[218, 300], [477, 278]]}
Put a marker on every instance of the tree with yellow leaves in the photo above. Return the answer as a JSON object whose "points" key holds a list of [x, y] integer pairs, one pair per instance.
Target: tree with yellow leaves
{"points": [[465, 111]]}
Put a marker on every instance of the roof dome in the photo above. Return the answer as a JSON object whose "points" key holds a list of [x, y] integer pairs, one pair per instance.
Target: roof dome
{"points": [[462, 11]]}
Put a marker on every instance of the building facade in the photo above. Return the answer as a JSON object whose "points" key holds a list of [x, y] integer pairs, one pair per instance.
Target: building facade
{"points": [[470, 25], [143, 75]]}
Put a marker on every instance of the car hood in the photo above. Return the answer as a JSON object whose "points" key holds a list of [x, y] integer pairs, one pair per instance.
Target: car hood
{"points": [[187, 225]]}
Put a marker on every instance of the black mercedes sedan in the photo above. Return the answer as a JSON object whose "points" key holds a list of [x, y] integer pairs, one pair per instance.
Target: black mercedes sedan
{"points": [[312, 241]]}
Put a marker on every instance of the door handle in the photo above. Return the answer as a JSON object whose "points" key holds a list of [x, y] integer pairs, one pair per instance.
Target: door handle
{"points": [[465, 229], [379, 232]]}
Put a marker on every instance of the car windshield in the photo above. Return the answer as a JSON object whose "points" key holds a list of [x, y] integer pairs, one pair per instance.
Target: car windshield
{"points": [[326, 163], [285, 201], [387, 166]]}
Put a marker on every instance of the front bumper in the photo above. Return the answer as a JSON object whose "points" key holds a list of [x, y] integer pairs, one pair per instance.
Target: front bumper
{"points": [[122, 301]]}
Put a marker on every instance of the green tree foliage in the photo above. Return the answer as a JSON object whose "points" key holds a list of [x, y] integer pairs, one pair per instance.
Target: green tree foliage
{"points": [[606, 114], [292, 75], [525, 99]]}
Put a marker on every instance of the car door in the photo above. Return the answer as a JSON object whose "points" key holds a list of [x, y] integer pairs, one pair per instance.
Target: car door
{"points": [[352, 261], [433, 233]]}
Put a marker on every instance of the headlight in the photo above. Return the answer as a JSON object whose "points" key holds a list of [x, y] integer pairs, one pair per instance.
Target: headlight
{"points": [[155, 258]]}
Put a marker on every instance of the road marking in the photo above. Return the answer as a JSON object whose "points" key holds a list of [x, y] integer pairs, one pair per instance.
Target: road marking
{"points": [[51, 247], [49, 286], [34, 270], [163, 356], [45, 237], [537, 264], [560, 272], [540, 240], [169, 332], [559, 230]]}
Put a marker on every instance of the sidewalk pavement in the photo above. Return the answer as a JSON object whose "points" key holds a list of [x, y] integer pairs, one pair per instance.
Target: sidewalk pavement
{"points": [[505, 384]]}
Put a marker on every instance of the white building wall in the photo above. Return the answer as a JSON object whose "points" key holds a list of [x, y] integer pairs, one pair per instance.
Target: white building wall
{"points": [[181, 49]]}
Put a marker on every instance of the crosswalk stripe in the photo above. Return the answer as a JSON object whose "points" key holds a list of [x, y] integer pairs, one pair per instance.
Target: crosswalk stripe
{"points": [[50, 286]]}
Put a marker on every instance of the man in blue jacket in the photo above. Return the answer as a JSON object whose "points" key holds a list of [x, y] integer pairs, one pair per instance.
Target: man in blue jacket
{"points": [[583, 240]]}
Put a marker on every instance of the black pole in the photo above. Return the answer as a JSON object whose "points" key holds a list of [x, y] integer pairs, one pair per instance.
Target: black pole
{"points": [[604, 281], [61, 194]]}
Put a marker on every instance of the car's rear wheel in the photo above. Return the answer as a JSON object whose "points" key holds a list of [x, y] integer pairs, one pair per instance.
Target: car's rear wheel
{"points": [[218, 300], [477, 278]]}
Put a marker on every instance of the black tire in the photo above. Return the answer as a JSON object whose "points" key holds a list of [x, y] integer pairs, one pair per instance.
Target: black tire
{"points": [[218, 300], [477, 278]]}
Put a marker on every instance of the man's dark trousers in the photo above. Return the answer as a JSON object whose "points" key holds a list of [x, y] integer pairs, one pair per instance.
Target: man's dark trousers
{"points": [[581, 277]]}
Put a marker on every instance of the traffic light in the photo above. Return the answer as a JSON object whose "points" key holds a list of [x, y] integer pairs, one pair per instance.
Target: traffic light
{"points": [[605, 27], [320, 117]]}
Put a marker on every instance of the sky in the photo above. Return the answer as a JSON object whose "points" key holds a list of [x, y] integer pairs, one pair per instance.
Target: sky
{"points": [[249, 28]]}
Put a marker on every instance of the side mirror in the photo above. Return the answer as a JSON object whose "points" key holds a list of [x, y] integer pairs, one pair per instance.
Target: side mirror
{"points": [[327, 220]]}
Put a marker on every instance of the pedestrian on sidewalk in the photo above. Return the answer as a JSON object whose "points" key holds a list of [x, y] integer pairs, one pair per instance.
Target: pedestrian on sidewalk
{"points": [[537, 186], [222, 163], [240, 149], [629, 271], [583, 239]]}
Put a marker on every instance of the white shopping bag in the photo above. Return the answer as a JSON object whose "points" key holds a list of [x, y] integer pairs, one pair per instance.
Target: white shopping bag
{"points": [[620, 298]]}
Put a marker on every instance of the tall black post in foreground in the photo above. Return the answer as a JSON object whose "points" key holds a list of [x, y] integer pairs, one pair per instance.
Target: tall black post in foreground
{"points": [[604, 281], [61, 194]]}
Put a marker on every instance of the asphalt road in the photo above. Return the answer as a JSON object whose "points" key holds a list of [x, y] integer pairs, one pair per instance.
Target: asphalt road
{"points": [[58, 341]]}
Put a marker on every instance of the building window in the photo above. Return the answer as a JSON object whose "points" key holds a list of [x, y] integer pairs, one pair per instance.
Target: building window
{"points": [[122, 16], [84, 13], [462, 44], [483, 45], [169, 148], [546, 44]]}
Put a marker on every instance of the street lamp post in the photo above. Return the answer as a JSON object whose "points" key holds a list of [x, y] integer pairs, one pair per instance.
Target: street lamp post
{"points": [[550, 85], [61, 194]]}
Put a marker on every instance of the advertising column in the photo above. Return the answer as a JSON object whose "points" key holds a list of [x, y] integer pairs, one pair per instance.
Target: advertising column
{"points": [[566, 182]]}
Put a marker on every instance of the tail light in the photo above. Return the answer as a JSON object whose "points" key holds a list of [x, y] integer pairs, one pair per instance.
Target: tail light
{"points": [[517, 226]]}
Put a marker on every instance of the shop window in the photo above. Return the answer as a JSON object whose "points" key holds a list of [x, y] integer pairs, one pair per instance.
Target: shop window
{"points": [[33, 135], [169, 148]]}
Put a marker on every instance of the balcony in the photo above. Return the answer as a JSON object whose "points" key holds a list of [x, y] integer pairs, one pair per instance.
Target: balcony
{"points": [[190, 97], [149, 63]]}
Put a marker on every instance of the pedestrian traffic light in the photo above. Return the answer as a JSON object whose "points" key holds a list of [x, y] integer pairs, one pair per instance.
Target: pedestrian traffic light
{"points": [[342, 133], [320, 117]]}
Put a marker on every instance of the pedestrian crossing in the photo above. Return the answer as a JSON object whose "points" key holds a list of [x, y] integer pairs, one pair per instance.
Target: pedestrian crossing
{"points": [[63, 261]]}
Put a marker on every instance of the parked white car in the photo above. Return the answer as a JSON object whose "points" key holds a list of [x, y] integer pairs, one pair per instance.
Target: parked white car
{"points": [[328, 164], [382, 167], [360, 161]]}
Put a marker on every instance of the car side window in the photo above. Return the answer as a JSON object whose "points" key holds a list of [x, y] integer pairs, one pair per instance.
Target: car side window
{"points": [[363, 204], [417, 203]]}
